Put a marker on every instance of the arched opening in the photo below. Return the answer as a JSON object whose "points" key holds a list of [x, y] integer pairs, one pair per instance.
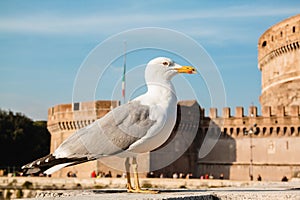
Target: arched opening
{"points": [[68, 126], [64, 125], [237, 131], [277, 130], [71, 125], [292, 130], [271, 130], [264, 130], [294, 29], [284, 130], [225, 131], [264, 44], [231, 131]]}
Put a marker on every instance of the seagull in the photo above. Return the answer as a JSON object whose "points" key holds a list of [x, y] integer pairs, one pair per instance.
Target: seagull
{"points": [[141, 125]]}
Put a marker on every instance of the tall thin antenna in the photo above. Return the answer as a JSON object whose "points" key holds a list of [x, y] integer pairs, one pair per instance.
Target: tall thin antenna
{"points": [[124, 74]]}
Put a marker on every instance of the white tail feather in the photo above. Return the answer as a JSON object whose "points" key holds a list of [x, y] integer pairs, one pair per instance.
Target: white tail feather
{"points": [[57, 167]]}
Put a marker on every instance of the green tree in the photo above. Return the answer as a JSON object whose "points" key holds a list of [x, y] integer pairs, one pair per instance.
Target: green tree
{"points": [[21, 139]]}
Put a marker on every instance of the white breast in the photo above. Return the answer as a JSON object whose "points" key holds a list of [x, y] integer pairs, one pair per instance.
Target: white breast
{"points": [[164, 113]]}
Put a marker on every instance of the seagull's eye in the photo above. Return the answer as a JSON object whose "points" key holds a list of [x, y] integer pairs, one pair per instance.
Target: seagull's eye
{"points": [[165, 63]]}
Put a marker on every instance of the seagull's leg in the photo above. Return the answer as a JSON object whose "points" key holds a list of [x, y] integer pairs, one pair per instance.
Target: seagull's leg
{"points": [[137, 188], [127, 167]]}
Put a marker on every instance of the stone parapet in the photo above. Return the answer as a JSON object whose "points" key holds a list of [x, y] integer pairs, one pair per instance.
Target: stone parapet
{"points": [[271, 122], [74, 116], [279, 111]]}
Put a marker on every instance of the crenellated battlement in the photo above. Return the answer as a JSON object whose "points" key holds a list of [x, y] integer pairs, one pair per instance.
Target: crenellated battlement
{"points": [[266, 111], [73, 116], [281, 123]]}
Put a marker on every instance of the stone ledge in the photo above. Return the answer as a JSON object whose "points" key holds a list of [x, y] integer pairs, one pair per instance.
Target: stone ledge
{"points": [[214, 194], [123, 195]]}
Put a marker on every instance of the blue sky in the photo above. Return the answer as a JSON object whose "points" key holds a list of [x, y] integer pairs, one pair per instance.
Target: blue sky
{"points": [[44, 43]]}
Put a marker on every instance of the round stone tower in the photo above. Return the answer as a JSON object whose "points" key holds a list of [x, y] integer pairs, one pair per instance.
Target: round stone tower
{"points": [[279, 62]]}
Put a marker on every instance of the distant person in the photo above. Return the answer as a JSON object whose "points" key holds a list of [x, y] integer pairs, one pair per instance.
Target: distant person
{"points": [[206, 176], [189, 175], [93, 174], [221, 176], [284, 179], [69, 174], [175, 175], [150, 175], [74, 175], [119, 176], [251, 177], [259, 177], [108, 175], [181, 175]]}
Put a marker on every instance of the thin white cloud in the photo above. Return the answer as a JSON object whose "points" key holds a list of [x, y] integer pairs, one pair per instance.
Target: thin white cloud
{"points": [[64, 24]]}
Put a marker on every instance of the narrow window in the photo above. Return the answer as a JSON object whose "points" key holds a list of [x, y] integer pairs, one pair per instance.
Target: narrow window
{"points": [[294, 29], [76, 106], [292, 130], [231, 131], [271, 130], [284, 130], [264, 130], [278, 130], [237, 131]]}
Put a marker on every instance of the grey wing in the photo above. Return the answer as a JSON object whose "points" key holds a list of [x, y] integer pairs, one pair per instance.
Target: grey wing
{"points": [[110, 135]]}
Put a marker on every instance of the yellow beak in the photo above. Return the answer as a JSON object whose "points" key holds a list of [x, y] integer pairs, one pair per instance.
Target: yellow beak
{"points": [[187, 70]]}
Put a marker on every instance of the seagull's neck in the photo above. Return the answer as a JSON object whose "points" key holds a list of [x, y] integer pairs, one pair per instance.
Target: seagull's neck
{"points": [[161, 93]]}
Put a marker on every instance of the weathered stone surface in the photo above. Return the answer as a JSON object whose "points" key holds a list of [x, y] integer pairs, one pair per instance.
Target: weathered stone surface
{"points": [[279, 62], [73, 188]]}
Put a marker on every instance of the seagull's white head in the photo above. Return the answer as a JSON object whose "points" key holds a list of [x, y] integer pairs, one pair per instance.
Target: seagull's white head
{"points": [[162, 69]]}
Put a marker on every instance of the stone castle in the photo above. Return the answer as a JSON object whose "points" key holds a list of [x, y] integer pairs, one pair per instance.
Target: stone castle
{"points": [[279, 61], [240, 146]]}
